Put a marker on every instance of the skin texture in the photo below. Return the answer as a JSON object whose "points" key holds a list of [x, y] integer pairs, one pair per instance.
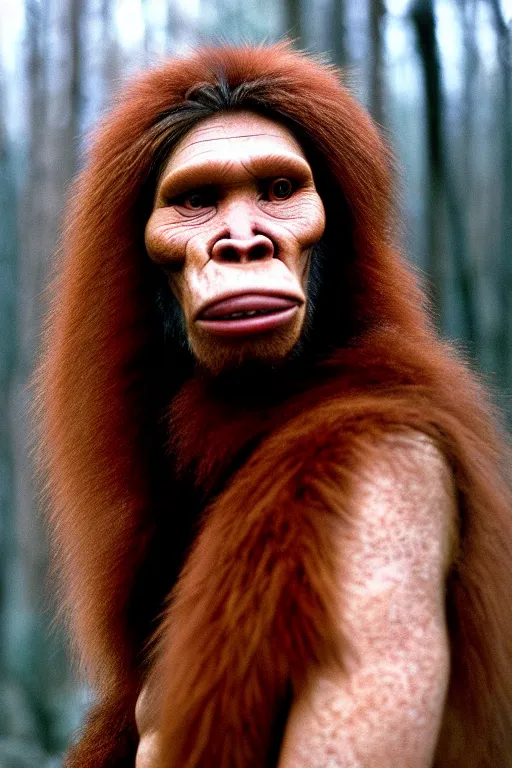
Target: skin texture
{"points": [[208, 513], [238, 239], [387, 709]]}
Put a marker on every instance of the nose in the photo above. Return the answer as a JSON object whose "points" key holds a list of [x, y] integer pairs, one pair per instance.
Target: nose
{"points": [[243, 251]]}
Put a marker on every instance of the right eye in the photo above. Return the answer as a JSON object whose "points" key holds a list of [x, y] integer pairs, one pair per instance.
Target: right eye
{"points": [[196, 199]]}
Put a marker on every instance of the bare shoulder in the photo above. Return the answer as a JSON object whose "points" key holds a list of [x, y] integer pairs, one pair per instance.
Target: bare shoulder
{"points": [[404, 503], [385, 707], [394, 561]]}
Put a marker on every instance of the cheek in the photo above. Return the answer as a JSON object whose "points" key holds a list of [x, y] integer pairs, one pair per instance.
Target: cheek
{"points": [[304, 269], [167, 240], [181, 250], [164, 245], [176, 284], [302, 217], [191, 286], [305, 226], [311, 223]]}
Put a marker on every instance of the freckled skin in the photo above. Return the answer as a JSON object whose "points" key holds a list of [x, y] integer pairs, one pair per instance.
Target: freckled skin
{"points": [[386, 711], [238, 239]]}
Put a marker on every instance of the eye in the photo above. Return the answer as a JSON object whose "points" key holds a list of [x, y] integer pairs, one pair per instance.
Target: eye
{"points": [[204, 197], [280, 189]]}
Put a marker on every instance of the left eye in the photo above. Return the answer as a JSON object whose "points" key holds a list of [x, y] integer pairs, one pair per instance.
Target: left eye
{"points": [[280, 189]]}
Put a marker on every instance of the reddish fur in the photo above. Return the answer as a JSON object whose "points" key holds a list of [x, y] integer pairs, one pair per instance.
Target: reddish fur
{"points": [[231, 641]]}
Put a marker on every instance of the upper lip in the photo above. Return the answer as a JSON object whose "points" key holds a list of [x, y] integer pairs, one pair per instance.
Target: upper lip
{"points": [[253, 292]]}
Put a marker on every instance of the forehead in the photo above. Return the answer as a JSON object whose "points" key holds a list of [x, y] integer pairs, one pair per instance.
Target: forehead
{"points": [[233, 136]]}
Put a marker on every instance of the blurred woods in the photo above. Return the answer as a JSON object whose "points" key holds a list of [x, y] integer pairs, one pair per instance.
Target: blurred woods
{"points": [[437, 76]]}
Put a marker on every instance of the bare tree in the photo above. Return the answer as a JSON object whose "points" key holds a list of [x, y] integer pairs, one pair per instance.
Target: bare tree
{"points": [[377, 15], [337, 31], [54, 103], [110, 53], [7, 354], [442, 197], [149, 47], [504, 34], [467, 13], [293, 20]]}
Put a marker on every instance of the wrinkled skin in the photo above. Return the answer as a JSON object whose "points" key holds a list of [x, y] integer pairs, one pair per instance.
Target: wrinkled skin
{"points": [[236, 212]]}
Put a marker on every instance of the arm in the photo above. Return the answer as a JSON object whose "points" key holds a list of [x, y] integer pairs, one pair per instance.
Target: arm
{"points": [[386, 711]]}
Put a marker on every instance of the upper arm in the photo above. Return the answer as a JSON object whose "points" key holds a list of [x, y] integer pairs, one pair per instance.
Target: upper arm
{"points": [[386, 708]]}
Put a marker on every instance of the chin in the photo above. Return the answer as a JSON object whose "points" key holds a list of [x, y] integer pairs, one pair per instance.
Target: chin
{"points": [[267, 350]]}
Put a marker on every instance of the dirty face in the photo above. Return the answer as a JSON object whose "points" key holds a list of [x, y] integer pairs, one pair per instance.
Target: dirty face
{"points": [[235, 218]]}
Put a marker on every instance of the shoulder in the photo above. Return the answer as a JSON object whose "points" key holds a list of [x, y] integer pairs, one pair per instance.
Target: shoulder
{"points": [[404, 510], [404, 469], [398, 498], [393, 550]]}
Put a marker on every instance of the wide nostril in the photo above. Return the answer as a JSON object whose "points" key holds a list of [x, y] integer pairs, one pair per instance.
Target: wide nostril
{"points": [[257, 248], [261, 251], [229, 254]]}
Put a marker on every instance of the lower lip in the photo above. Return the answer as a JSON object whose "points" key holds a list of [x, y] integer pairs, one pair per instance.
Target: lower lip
{"points": [[248, 326]]}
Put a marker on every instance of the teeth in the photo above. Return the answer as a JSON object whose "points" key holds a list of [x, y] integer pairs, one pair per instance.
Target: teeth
{"points": [[248, 313]]}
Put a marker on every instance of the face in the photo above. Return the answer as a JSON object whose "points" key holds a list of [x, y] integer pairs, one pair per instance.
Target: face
{"points": [[234, 222]]}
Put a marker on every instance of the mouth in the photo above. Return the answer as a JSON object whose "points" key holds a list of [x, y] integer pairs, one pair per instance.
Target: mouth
{"points": [[248, 314]]}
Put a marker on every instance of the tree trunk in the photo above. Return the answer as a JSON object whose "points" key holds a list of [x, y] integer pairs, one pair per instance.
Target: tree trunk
{"points": [[377, 14], [293, 21], [7, 355], [504, 34], [338, 32], [54, 104], [442, 195]]}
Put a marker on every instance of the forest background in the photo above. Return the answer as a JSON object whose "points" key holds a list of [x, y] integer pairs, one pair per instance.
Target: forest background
{"points": [[436, 75]]}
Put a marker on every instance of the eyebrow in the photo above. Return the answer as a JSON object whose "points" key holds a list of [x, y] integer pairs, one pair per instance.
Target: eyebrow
{"points": [[218, 171]]}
